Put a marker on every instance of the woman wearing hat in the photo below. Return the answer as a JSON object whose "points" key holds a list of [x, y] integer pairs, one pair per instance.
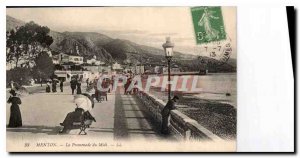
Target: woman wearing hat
{"points": [[82, 112], [15, 119]]}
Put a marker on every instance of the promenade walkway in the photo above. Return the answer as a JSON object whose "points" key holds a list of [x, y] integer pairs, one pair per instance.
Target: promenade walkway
{"points": [[122, 117], [122, 125]]}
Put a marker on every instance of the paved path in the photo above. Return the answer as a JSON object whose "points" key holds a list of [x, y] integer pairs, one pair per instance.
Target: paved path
{"points": [[122, 125], [120, 118]]}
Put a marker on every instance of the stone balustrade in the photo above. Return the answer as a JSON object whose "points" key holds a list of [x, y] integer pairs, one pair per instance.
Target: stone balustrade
{"points": [[182, 126]]}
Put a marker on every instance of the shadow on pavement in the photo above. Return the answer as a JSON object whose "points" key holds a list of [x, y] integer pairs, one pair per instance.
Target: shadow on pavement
{"points": [[139, 122], [36, 129], [107, 130], [120, 123]]}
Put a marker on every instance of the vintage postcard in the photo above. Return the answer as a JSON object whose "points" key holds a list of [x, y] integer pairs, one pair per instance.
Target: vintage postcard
{"points": [[121, 79]]}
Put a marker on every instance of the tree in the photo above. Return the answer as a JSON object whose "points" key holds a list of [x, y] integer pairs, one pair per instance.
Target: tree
{"points": [[19, 75], [44, 66], [26, 42]]}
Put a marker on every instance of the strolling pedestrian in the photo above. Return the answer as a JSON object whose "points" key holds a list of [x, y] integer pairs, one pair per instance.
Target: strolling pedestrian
{"points": [[87, 82], [73, 84], [48, 87], [78, 88], [128, 83], [12, 85], [54, 83], [41, 82], [15, 119], [136, 88], [61, 85], [97, 92], [165, 113], [129, 88], [112, 81]]}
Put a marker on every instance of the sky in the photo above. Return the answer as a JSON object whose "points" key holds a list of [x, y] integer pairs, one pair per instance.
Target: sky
{"points": [[143, 25]]}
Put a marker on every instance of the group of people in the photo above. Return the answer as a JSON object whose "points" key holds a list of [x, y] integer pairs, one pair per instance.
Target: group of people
{"points": [[54, 83], [79, 113], [99, 93], [74, 83]]}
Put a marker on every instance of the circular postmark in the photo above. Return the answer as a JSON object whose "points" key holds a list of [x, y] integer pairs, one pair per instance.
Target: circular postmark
{"points": [[219, 51]]}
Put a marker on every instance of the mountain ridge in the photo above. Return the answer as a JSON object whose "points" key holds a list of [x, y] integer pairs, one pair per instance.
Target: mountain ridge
{"points": [[106, 48]]}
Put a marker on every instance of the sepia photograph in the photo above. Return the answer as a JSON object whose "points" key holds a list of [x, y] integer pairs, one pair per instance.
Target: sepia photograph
{"points": [[121, 79]]}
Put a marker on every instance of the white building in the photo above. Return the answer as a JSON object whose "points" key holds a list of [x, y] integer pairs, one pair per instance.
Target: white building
{"points": [[67, 75], [94, 61], [117, 66], [55, 59], [173, 69], [139, 69], [65, 58]]}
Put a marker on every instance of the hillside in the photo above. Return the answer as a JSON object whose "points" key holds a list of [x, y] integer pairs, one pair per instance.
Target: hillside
{"points": [[12, 23], [92, 38], [89, 44], [110, 50]]}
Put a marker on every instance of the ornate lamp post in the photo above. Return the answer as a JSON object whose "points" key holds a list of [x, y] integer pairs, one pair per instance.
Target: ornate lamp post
{"points": [[168, 48]]}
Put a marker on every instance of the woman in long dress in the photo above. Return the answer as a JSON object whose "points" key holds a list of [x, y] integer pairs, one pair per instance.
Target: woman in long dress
{"points": [[15, 119]]}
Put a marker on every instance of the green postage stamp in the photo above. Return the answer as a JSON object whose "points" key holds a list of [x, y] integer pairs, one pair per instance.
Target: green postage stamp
{"points": [[208, 24]]}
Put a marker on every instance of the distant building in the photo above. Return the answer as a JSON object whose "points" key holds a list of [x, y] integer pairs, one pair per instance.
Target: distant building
{"points": [[136, 69], [55, 59], [139, 69], [65, 58], [94, 61], [173, 69], [106, 68], [128, 69], [67, 75], [117, 66], [92, 68]]}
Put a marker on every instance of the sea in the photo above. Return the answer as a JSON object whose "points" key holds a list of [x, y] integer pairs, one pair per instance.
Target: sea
{"points": [[217, 87]]}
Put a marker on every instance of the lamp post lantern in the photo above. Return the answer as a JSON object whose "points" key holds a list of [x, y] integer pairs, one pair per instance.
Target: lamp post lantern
{"points": [[168, 48]]}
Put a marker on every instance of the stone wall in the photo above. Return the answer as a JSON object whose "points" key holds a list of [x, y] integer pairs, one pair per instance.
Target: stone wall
{"points": [[182, 126]]}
